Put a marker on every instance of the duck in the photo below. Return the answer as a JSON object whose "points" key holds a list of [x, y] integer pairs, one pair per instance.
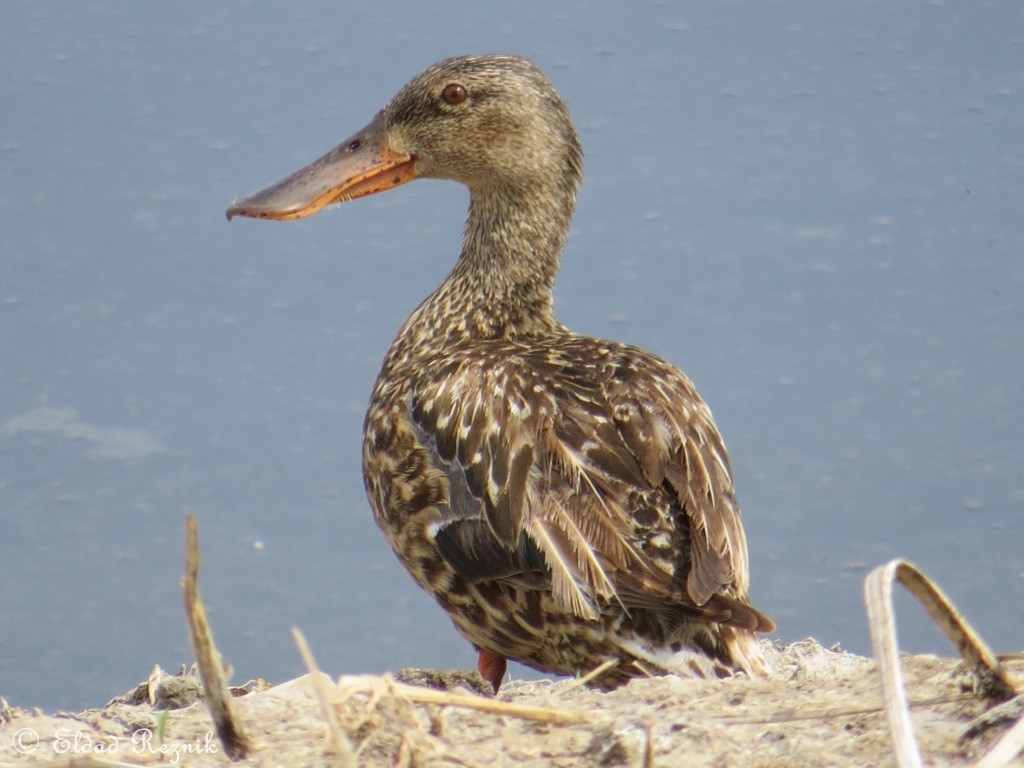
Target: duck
{"points": [[568, 501]]}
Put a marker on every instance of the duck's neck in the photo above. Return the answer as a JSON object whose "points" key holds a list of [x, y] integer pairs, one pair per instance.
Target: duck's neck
{"points": [[501, 286]]}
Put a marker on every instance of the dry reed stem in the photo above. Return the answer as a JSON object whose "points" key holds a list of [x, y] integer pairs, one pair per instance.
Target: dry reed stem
{"points": [[342, 746], [217, 696], [882, 620], [592, 674], [352, 684]]}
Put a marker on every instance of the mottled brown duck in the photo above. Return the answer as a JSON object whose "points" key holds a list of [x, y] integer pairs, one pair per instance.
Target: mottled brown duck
{"points": [[567, 500]]}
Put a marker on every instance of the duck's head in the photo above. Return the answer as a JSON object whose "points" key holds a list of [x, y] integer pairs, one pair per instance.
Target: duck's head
{"points": [[490, 122]]}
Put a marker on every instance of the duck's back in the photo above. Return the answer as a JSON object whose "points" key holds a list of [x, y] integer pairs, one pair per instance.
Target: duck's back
{"points": [[575, 481]]}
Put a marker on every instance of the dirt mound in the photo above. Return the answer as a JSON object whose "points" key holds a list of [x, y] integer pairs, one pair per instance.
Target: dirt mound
{"points": [[820, 707]]}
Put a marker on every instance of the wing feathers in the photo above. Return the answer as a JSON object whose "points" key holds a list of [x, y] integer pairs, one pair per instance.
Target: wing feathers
{"points": [[565, 587], [599, 463]]}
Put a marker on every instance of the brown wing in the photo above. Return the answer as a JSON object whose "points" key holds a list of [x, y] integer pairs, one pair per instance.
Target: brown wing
{"points": [[596, 463], [667, 425]]}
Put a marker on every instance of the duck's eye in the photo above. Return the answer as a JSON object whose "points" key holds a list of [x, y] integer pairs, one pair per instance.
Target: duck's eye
{"points": [[454, 93]]}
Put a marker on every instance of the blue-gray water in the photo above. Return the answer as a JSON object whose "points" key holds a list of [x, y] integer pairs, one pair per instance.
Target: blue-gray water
{"points": [[815, 209]]}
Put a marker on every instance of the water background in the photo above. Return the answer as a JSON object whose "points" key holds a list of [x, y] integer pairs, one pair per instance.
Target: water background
{"points": [[815, 209]]}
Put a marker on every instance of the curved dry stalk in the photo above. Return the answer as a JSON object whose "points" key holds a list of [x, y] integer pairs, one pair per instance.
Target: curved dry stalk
{"points": [[882, 621]]}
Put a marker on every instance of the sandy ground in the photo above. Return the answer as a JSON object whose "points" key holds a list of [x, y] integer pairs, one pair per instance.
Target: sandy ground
{"points": [[820, 707]]}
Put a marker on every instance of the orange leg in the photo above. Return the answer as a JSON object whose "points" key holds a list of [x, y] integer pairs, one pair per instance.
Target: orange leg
{"points": [[491, 667]]}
